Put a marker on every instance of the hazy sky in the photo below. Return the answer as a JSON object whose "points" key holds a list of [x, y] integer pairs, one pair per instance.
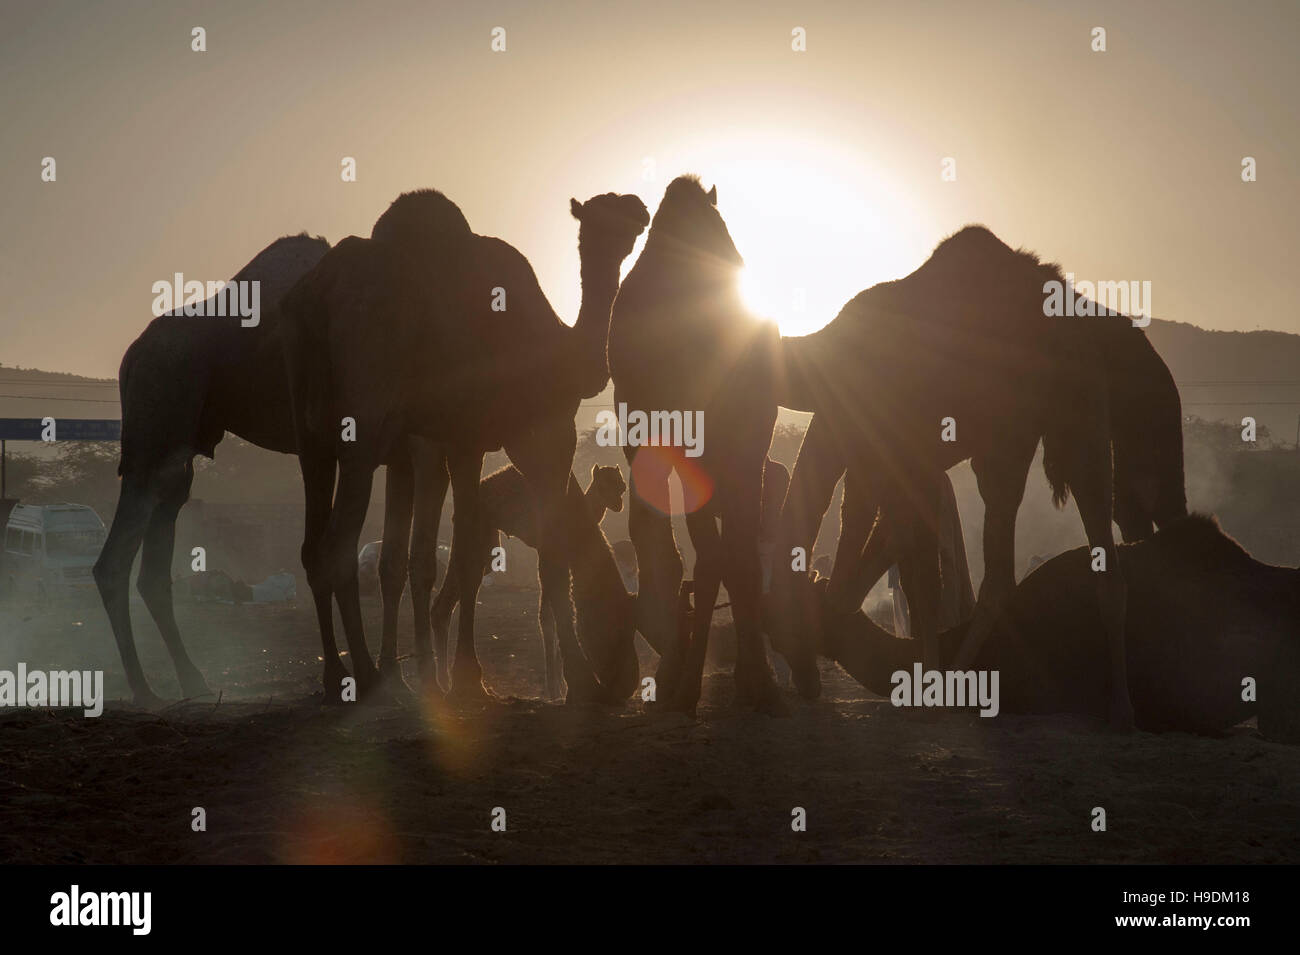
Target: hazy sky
{"points": [[1120, 165]]}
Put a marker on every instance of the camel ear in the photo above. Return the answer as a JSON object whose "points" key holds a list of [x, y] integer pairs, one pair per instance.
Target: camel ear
{"points": [[575, 207], [713, 194]]}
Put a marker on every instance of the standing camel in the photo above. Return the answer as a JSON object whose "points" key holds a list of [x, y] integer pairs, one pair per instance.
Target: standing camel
{"points": [[958, 361], [680, 339], [185, 382], [429, 329]]}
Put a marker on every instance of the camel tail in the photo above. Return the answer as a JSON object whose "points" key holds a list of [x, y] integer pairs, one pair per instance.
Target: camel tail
{"points": [[1055, 455], [126, 447]]}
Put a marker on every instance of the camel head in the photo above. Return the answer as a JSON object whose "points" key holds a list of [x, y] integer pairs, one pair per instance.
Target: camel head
{"points": [[608, 486], [688, 224], [611, 222]]}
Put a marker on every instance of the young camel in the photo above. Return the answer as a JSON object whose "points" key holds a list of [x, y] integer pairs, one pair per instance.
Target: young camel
{"points": [[506, 505], [680, 339], [429, 329], [957, 361]]}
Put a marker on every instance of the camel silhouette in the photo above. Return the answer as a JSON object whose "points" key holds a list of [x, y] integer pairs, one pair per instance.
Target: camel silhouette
{"points": [[428, 329], [184, 382], [506, 505], [680, 339], [958, 361], [1203, 616]]}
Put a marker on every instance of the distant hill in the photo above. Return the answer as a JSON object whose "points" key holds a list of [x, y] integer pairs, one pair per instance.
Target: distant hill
{"points": [[31, 393], [1228, 375]]}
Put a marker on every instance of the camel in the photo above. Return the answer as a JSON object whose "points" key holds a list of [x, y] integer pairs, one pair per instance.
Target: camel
{"points": [[506, 506], [606, 612], [1203, 616], [428, 329], [958, 361], [680, 339], [185, 382]]}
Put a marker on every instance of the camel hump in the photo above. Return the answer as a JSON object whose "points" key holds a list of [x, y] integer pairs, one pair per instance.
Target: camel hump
{"points": [[282, 263], [420, 218], [975, 251], [286, 251]]}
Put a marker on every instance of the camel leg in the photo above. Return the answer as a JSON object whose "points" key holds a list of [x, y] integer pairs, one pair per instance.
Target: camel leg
{"points": [[318, 491], [659, 563], [1001, 480], [812, 485], [1091, 486], [440, 614], [399, 494], [431, 479], [467, 565], [709, 558], [551, 651], [554, 687], [743, 574], [864, 551], [155, 580], [919, 569], [356, 475], [958, 595], [135, 504]]}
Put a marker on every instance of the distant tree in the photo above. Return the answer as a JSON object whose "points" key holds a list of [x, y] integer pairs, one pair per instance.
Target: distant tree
{"points": [[23, 474], [242, 471], [786, 439], [1223, 437]]}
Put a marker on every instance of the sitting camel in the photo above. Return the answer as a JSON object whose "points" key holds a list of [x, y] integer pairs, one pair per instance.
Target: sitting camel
{"points": [[185, 382], [958, 361], [428, 329], [507, 506], [1203, 618]]}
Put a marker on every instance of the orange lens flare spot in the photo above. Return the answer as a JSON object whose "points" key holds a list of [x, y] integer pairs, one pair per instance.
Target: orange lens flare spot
{"points": [[651, 468]]}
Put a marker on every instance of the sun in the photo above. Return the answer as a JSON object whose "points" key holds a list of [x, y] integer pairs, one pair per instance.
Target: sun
{"points": [[814, 226]]}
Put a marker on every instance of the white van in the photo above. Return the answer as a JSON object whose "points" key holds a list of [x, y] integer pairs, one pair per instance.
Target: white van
{"points": [[49, 551]]}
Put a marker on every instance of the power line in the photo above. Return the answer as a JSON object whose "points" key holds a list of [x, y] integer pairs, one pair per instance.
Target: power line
{"points": [[1235, 384], [58, 384], [97, 401]]}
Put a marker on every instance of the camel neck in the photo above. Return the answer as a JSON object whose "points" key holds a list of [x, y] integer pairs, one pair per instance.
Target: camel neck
{"points": [[599, 286], [599, 278]]}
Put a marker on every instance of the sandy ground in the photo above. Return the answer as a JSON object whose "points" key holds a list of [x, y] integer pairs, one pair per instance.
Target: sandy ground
{"points": [[283, 779]]}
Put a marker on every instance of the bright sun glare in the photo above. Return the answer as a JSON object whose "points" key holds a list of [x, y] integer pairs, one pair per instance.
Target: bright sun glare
{"points": [[814, 228]]}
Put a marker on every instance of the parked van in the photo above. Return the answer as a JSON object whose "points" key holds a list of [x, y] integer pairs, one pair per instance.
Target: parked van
{"points": [[49, 551]]}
